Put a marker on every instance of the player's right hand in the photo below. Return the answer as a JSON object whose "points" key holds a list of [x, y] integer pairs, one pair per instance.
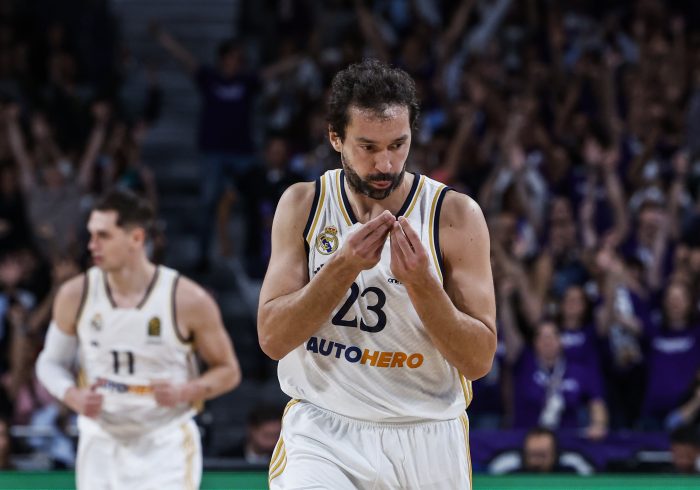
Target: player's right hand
{"points": [[363, 247], [85, 401]]}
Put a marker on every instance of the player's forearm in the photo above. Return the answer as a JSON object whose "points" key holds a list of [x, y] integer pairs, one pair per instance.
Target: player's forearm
{"points": [[286, 322], [212, 383], [466, 342]]}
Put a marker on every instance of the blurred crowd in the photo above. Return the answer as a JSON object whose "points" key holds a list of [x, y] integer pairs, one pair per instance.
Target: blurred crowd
{"points": [[570, 122]]}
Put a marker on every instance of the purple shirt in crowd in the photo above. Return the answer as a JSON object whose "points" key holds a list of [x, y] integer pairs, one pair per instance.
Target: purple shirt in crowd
{"points": [[227, 105], [578, 387], [673, 357]]}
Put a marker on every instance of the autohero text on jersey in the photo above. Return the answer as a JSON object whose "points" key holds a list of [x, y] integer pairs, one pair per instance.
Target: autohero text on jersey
{"points": [[354, 354]]}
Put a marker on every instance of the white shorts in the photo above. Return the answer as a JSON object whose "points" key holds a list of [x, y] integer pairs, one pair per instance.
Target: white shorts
{"points": [[168, 458], [319, 449]]}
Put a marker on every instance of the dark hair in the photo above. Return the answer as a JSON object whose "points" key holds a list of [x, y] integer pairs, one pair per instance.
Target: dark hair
{"points": [[132, 209], [542, 431], [226, 47], [371, 85], [264, 413]]}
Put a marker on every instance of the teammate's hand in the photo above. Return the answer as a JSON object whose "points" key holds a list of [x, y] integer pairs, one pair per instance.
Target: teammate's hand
{"points": [[167, 394], [409, 259], [364, 246], [85, 401]]}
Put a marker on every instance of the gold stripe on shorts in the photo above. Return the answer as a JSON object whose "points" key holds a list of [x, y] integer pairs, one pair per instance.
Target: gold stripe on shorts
{"points": [[189, 447], [279, 456]]}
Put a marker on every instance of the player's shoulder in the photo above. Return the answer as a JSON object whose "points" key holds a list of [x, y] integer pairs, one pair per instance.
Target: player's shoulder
{"points": [[72, 290], [299, 193], [460, 210], [296, 201], [194, 304], [69, 302], [189, 293]]}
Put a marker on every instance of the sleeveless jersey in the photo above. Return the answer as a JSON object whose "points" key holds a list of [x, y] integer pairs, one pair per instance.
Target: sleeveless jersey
{"points": [[373, 359], [123, 349]]}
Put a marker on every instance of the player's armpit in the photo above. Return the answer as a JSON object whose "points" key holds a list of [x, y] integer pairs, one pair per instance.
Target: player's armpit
{"points": [[198, 314]]}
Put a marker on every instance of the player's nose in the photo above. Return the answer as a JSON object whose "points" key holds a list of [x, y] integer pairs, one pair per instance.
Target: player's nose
{"points": [[382, 162]]}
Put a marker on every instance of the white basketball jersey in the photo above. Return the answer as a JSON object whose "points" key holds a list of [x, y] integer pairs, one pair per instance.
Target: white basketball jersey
{"points": [[123, 349], [373, 359]]}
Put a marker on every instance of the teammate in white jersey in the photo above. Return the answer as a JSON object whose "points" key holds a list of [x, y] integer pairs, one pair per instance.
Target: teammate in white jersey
{"points": [[136, 328], [379, 303]]}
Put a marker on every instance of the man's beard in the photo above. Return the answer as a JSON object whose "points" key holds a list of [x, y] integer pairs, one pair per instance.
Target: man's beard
{"points": [[365, 188]]}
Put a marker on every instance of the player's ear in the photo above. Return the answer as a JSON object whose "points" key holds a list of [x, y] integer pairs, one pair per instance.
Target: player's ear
{"points": [[138, 233], [335, 140]]}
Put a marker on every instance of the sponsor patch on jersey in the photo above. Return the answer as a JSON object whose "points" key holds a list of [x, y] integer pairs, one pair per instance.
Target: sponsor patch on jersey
{"points": [[117, 387], [327, 240], [154, 327], [96, 322], [354, 354]]}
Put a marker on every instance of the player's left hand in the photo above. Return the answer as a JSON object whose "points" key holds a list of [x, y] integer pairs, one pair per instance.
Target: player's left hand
{"points": [[409, 259], [167, 394]]}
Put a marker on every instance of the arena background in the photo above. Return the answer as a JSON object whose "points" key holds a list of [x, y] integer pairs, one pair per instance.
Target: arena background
{"points": [[573, 123]]}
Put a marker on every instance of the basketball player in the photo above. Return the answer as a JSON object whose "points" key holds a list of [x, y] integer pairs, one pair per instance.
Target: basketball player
{"points": [[136, 326], [379, 303]]}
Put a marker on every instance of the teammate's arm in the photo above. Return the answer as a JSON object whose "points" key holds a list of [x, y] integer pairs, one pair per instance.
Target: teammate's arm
{"points": [[461, 318], [198, 316], [293, 306], [53, 367]]}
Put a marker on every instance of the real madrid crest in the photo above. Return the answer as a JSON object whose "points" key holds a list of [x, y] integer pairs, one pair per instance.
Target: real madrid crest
{"points": [[154, 327], [327, 240], [96, 322]]}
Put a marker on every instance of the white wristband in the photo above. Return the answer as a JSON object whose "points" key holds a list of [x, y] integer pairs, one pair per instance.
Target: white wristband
{"points": [[53, 367]]}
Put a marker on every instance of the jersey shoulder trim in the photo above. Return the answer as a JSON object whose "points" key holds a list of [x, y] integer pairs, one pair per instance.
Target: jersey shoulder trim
{"points": [[316, 208], [173, 309], [434, 225], [83, 299], [343, 201], [413, 196]]}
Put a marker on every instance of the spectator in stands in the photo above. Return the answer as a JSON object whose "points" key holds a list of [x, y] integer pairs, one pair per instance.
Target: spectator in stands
{"points": [[51, 188], [673, 345], [578, 335], [14, 227], [624, 310], [262, 433], [540, 453], [265, 183], [225, 139], [688, 413], [548, 390], [685, 450]]}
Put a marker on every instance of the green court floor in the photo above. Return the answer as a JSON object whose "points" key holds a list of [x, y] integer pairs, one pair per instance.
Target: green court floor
{"points": [[257, 481]]}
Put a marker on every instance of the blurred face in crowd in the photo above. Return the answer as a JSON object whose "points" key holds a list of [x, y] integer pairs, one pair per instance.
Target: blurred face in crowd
{"points": [[560, 209], [112, 246], [684, 457], [573, 307], [539, 453], [649, 221], [276, 153], [505, 230], [562, 235], [230, 63], [677, 304], [263, 438], [375, 149], [547, 343]]}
